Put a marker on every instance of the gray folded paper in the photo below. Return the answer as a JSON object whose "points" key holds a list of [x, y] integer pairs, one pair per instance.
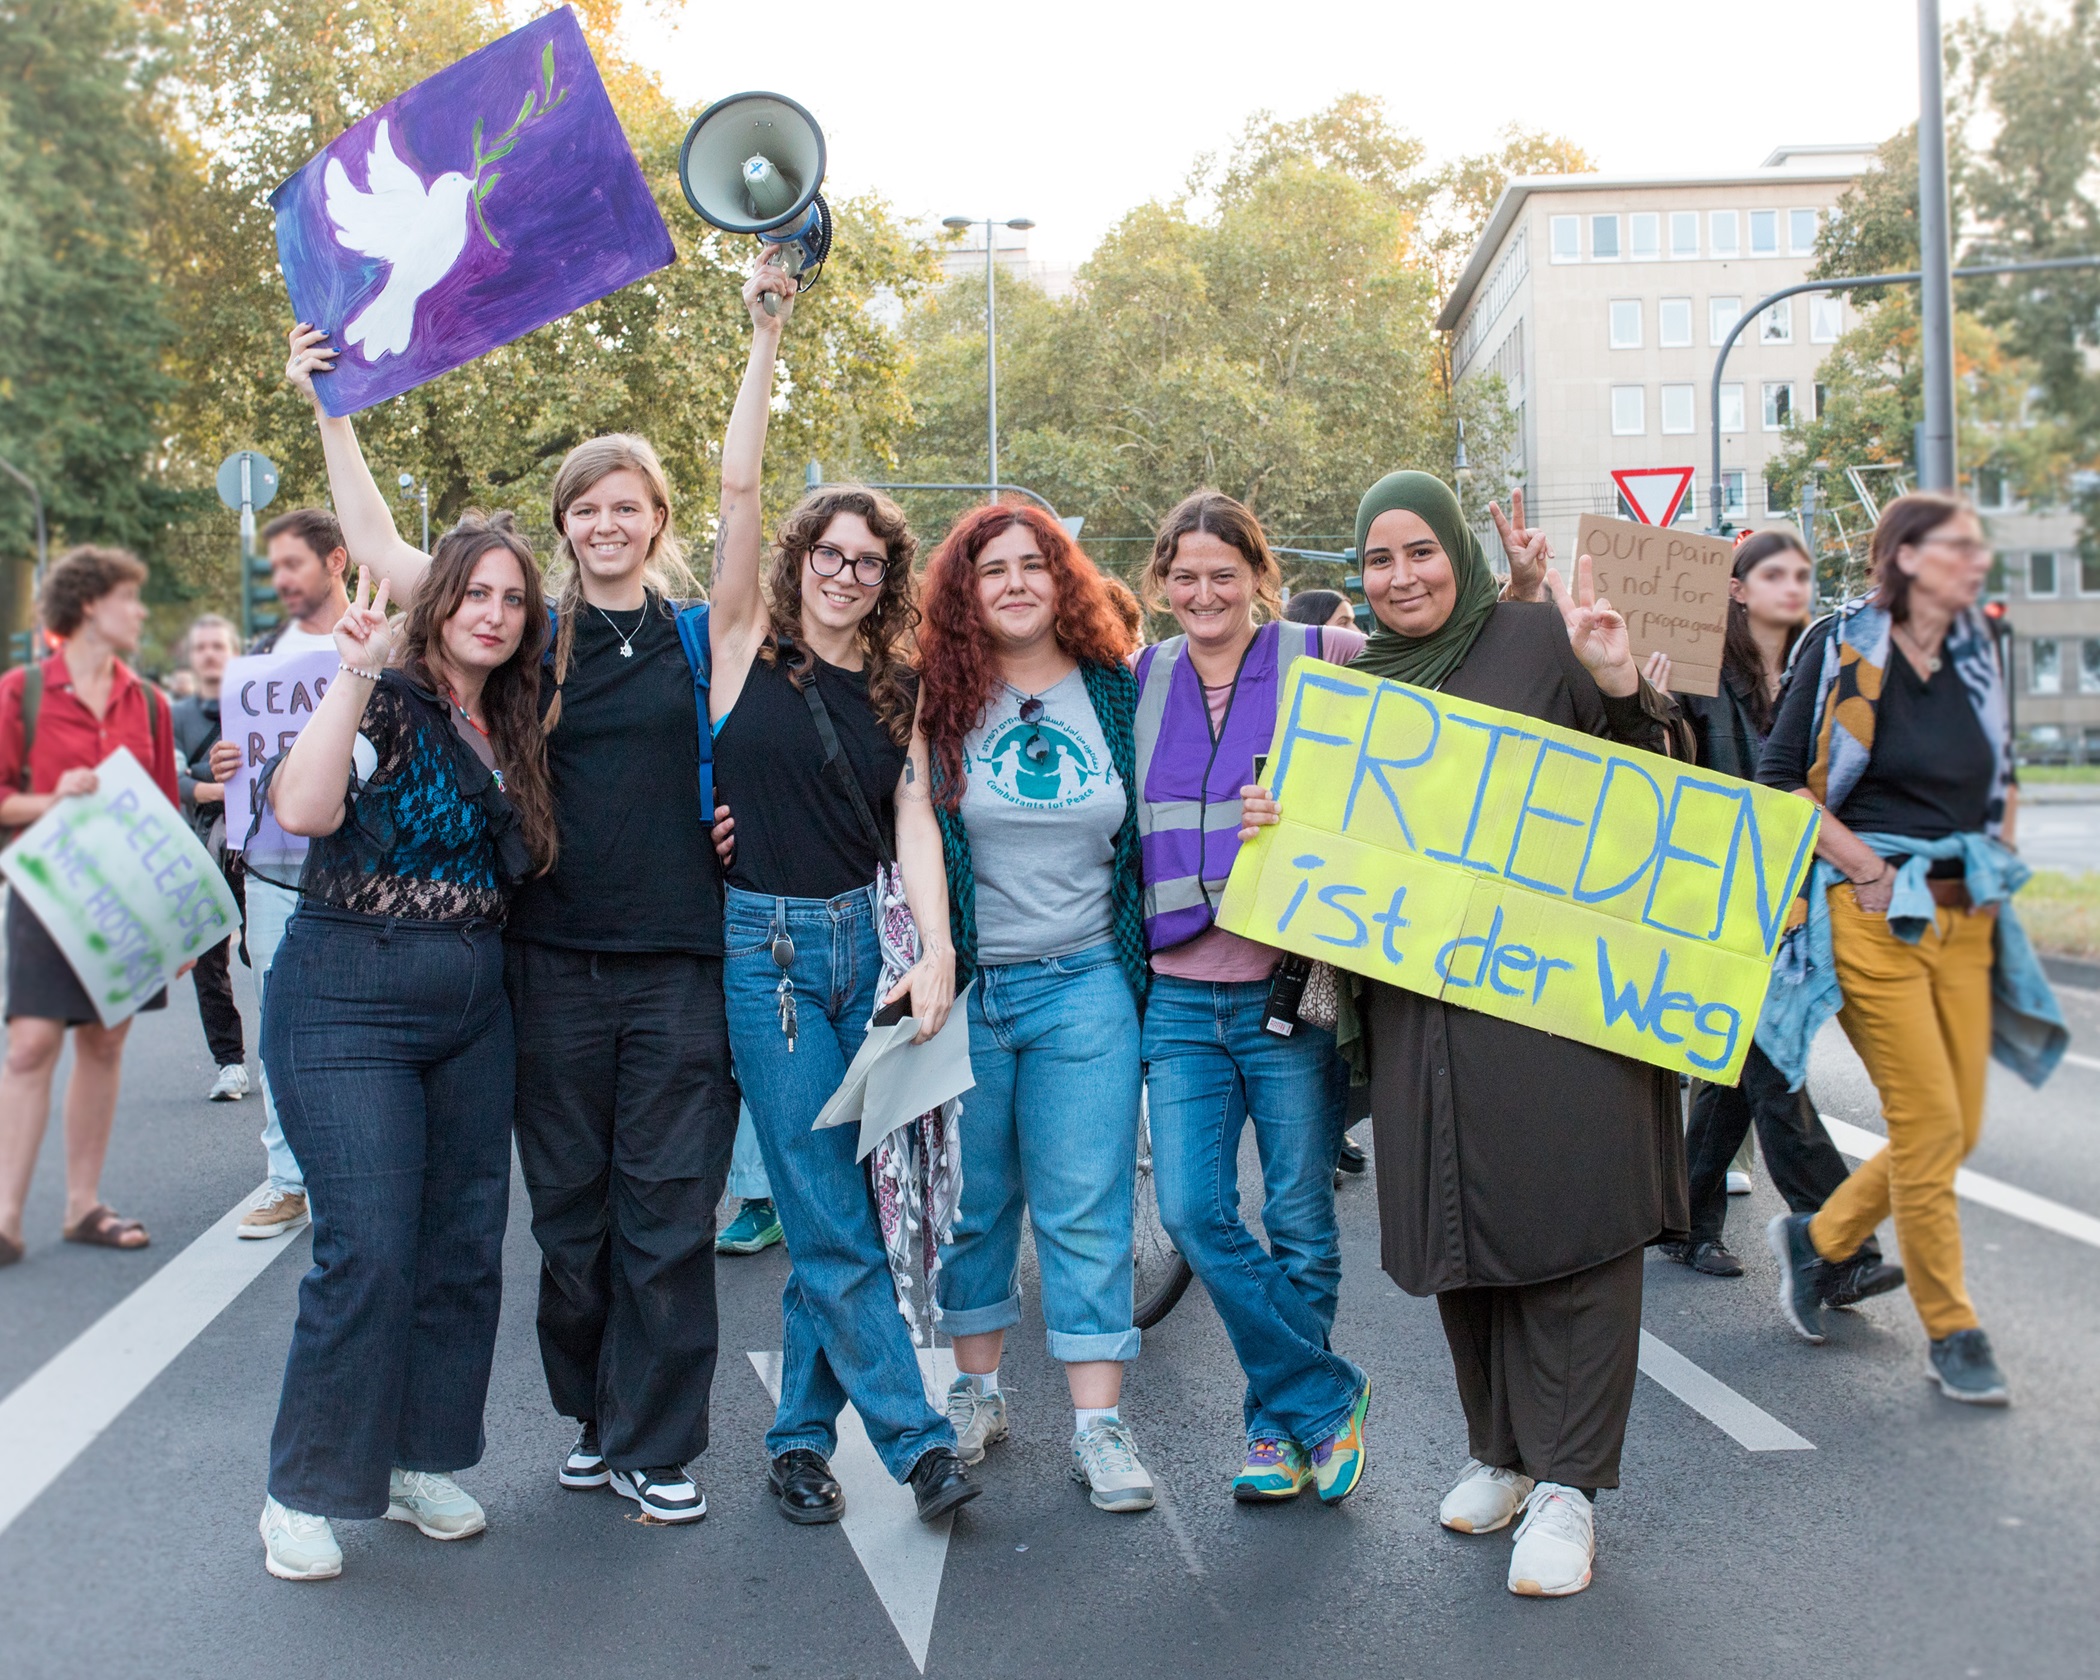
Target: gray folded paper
{"points": [[893, 1080]]}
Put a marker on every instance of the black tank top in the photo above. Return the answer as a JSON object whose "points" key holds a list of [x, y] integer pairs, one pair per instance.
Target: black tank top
{"points": [[796, 832]]}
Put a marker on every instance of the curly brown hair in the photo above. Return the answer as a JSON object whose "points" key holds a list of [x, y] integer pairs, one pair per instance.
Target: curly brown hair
{"points": [[886, 634], [78, 579]]}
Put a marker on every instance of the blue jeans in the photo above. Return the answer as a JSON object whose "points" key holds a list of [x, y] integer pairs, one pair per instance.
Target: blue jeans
{"points": [[842, 1336], [391, 1048], [270, 908], [1209, 1067], [747, 1162], [1052, 1122]]}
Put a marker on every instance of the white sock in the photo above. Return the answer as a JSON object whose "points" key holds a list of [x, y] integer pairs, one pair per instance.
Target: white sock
{"points": [[1085, 1417], [988, 1383]]}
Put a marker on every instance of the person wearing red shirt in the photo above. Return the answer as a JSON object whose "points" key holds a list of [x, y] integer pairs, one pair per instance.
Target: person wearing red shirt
{"points": [[90, 705]]}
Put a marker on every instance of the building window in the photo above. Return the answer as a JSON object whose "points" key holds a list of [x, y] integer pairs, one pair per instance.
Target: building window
{"points": [[1724, 233], [1625, 323], [1684, 233], [1732, 491], [1776, 325], [1673, 323], [1997, 585], [1826, 318], [2045, 667], [1820, 395], [1677, 408], [2089, 574], [1990, 487], [2089, 665], [2041, 576], [1764, 233], [1722, 313], [1629, 410], [1731, 408], [1688, 509], [1604, 239], [1801, 232], [1779, 405], [1644, 235], [1567, 239]]}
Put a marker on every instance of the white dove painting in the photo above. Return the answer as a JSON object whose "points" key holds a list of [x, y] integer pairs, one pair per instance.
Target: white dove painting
{"points": [[417, 231], [496, 196]]}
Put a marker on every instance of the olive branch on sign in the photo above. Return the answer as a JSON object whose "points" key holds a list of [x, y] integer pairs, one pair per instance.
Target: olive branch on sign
{"points": [[538, 102]]}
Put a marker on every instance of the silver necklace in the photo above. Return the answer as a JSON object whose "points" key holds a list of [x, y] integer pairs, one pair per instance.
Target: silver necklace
{"points": [[626, 641], [1932, 660]]}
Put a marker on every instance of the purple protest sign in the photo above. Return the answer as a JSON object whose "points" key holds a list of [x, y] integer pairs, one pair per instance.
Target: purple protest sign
{"points": [[494, 197]]}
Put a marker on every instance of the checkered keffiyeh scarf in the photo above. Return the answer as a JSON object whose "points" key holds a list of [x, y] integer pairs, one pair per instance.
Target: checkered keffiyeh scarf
{"points": [[917, 1170]]}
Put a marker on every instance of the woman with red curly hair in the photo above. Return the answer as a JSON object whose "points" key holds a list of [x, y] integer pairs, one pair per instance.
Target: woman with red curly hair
{"points": [[1028, 712]]}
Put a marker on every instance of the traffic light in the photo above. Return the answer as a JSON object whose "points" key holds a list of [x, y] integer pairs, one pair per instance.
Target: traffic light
{"points": [[260, 609]]}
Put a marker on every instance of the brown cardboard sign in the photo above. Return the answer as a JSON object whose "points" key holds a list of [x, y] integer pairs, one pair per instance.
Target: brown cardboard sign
{"points": [[1672, 588]]}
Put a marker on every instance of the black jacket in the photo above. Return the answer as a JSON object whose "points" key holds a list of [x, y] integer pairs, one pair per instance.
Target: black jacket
{"points": [[1728, 741], [196, 733]]}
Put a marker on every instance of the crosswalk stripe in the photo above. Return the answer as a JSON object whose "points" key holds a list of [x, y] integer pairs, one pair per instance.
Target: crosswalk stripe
{"points": [[1863, 1145], [2077, 1060], [1752, 1426], [54, 1417]]}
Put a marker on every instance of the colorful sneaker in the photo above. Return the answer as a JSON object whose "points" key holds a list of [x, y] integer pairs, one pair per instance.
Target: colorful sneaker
{"points": [[979, 1419], [755, 1228], [1105, 1463], [435, 1503], [1338, 1461], [1484, 1500], [1274, 1470], [1556, 1544], [297, 1545]]}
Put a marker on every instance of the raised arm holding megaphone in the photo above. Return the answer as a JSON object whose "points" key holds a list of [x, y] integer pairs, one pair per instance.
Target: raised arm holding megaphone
{"points": [[753, 163]]}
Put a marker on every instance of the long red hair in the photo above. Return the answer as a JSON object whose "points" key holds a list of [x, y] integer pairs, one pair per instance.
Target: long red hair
{"points": [[959, 660]]}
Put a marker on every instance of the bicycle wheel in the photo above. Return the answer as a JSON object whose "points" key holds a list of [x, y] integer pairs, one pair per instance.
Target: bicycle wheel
{"points": [[1159, 1275]]}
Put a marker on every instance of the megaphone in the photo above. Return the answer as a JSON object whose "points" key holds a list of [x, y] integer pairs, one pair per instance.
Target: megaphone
{"points": [[752, 163]]}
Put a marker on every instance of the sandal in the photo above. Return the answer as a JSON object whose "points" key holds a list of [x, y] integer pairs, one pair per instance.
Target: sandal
{"points": [[10, 1251], [100, 1228]]}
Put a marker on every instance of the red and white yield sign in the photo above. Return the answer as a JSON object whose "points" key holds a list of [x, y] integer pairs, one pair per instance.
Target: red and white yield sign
{"points": [[1654, 493]]}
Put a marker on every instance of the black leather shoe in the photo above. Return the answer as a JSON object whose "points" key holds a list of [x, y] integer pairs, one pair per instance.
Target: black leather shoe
{"points": [[1714, 1260], [940, 1483], [807, 1490], [1352, 1158], [1861, 1278]]}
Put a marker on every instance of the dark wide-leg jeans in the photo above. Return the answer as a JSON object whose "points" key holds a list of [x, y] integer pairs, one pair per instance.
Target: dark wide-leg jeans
{"points": [[626, 1118], [389, 1049]]}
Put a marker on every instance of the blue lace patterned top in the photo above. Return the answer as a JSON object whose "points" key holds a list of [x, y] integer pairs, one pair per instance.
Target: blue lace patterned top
{"points": [[428, 836]]}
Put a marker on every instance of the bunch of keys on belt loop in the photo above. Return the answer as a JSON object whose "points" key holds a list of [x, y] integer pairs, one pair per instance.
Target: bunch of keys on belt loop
{"points": [[783, 959]]}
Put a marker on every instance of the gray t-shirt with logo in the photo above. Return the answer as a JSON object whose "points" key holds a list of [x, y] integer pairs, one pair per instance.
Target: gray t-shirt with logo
{"points": [[1042, 806]]}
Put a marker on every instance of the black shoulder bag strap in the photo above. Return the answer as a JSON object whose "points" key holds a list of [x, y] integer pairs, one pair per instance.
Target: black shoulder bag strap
{"points": [[802, 672]]}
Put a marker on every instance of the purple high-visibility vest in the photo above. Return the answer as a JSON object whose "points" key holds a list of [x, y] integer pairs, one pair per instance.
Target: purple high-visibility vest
{"points": [[1190, 781]]}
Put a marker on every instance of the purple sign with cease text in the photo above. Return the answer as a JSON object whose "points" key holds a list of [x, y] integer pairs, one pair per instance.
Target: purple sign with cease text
{"points": [[496, 196]]}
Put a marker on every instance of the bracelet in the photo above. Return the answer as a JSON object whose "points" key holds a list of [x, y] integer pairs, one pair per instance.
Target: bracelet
{"points": [[345, 665]]}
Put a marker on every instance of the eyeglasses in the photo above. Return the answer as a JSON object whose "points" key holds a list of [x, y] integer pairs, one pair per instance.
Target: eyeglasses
{"points": [[1969, 548], [868, 569], [1035, 749]]}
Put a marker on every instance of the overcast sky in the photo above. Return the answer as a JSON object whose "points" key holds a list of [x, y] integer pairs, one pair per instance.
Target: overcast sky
{"points": [[1074, 111]]}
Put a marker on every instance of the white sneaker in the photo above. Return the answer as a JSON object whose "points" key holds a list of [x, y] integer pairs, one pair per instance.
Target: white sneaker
{"points": [[435, 1503], [278, 1214], [1105, 1463], [1484, 1500], [298, 1546], [1555, 1545], [979, 1420], [1738, 1183], [230, 1086]]}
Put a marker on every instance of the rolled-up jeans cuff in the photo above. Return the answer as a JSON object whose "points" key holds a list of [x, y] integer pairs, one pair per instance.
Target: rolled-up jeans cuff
{"points": [[1118, 1345], [982, 1321]]}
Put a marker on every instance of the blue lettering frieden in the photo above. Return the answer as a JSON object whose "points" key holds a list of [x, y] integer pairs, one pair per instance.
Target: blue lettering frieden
{"points": [[1294, 729], [1596, 895], [1494, 732], [1369, 764], [1528, 810]]}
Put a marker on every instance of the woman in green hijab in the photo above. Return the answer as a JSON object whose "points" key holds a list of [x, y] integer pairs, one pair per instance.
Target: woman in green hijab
{"points": [[1520, 1176]]}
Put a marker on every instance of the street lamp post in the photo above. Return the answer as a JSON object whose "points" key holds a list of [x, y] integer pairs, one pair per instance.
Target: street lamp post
{"points": [[1936, 452], [991, 338]]}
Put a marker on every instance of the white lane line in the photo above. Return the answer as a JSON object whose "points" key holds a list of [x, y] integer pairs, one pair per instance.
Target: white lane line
{"points": [[2077, 1060], [54, 1417], [903, 1557], [1752, 1426], [1991, 1192]]}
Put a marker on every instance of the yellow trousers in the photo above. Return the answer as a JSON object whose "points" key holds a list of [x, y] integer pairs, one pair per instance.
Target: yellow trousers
{"points": [[1920, 1018]]}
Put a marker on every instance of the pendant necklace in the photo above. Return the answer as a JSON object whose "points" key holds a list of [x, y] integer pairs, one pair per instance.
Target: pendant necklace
{"points": [[626, 641], [479, 728], [1932, 660]]}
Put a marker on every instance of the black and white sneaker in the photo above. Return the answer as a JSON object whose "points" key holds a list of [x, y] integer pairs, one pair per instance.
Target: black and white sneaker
{"points": [[666, 1493], [585, 1465], [1804, 1275], [1963, 1366]]}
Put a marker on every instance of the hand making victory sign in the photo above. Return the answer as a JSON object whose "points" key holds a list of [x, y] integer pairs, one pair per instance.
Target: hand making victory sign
{"points": [[1529, 554], [1596, 630]]}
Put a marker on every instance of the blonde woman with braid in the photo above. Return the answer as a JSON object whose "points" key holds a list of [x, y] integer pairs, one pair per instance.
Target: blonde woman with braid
{"points": [[626, 1107]]}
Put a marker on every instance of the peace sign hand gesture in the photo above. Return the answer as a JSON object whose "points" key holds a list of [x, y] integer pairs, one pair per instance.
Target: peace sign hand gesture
{"points": [[1525, 547], [1596, 630], [364, 639]]}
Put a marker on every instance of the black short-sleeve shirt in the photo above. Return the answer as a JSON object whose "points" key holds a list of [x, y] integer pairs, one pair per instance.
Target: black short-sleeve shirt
{"points": [[637, 870]]}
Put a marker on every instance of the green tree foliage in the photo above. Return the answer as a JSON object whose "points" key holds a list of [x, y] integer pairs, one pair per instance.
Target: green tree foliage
{"points": [[83, 323], [1268, 334]]}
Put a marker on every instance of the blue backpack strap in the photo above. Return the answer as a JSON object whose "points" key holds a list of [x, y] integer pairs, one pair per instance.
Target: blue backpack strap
{"points": [[699, 657]]}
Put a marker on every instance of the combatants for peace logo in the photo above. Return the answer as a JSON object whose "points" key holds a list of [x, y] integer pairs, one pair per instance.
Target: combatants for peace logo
{"points": [[1040, 765]]}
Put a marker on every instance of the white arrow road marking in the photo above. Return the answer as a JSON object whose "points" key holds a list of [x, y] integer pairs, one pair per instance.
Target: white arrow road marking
{"points": [[54, 1417], [1863, 1145], [1751, 1425], [903, 1557]]}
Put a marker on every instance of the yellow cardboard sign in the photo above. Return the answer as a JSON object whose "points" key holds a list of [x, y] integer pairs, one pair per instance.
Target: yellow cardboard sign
{"points": [[1531, 872]]}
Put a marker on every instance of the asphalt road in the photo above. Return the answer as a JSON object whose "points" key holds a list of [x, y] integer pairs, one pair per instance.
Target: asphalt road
{"points": [[1916, 1538], [2061, 834]]}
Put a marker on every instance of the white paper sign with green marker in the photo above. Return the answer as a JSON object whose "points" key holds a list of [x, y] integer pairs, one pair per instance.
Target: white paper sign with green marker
{"points": [[121, 884]]}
